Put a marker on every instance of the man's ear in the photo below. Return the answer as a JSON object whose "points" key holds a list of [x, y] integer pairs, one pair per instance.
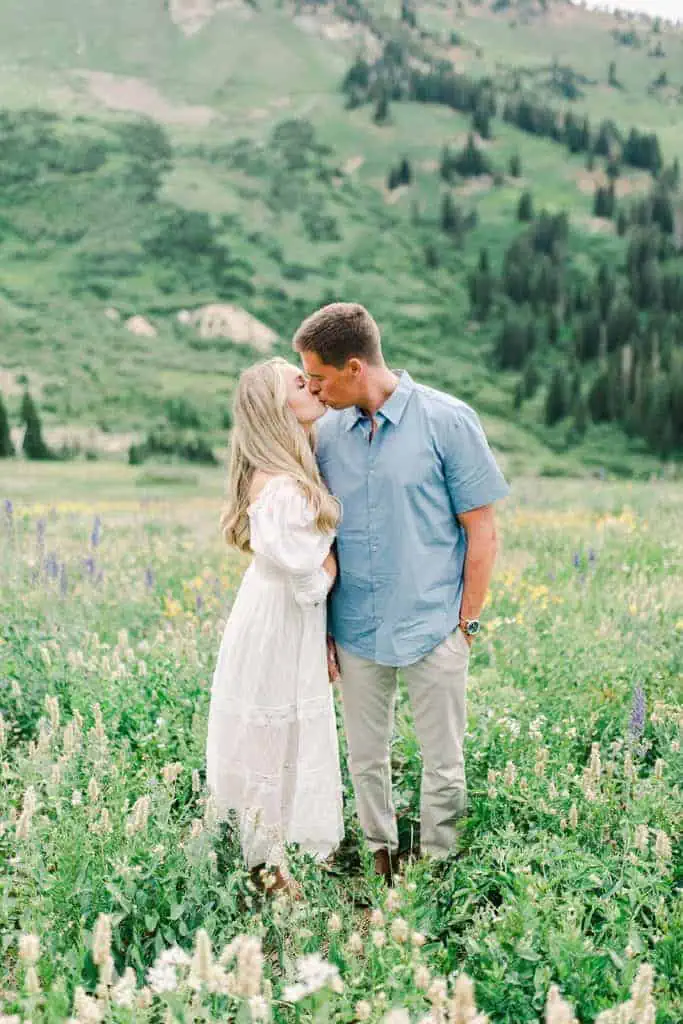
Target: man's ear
{"points": [[354, 366]]}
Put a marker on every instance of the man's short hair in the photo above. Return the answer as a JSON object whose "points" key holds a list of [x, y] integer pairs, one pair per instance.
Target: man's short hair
{"points": [[339, 332]]}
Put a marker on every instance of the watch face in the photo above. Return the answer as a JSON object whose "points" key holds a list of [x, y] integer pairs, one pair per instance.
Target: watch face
{"points": [[472, 627]]}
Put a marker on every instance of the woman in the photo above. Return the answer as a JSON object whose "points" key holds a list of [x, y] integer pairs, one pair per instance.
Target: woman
{"points": [[272, 753]]}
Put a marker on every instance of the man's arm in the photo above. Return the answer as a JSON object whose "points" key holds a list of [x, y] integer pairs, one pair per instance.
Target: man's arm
{"points": [[479, 525]]}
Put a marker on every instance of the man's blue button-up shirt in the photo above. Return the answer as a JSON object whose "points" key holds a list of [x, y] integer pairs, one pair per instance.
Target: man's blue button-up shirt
{"points": [[401, 549]]}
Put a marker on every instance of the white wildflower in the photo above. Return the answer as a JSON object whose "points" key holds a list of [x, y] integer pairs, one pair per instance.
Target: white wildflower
{"points": [[354, 943], [29, 949], [259, 1008], [396, 1017], [162, 977], [123, 992], [662, 845], [377, 918], [86, 1009], [313, 974], [510, 774], [573, 816], [422, 977], [93, 790], [101, 943], [378, 938], [363, 1010], [641, 838], [334, 924], [399, 930], [557, 1009]]}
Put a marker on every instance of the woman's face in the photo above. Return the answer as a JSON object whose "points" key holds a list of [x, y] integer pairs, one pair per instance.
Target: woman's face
{"points": [[306, 407]]}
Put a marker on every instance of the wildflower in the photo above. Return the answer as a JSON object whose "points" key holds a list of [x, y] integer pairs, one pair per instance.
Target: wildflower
{"points": [[29, 949], [638, 712], [93, 791], [437, 993], [196, 783], [23, 828], [573, 816], [399, 930], [541, 761], [393, 900], [662, 846], [377, 918], [418, 939], [334, 924], [76, 798], [641, 838], [595, 764], [659, 768], [675, 746], [314, 973], [643, 1007], [422, 977], [101, 947], [123, 992], [86, 1009], [139, 816], [557, 1009], [171, 772], [354, 943], [629, 771], [259, 1008], [363, 1010], [202, 961], [462, 1008], [510, 774], [396, 1017], [378, 938], [52, 708], [162, 977]]}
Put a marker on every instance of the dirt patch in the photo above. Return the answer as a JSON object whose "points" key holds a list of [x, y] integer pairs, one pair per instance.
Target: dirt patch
{"points": [[221, 320], [10, 387], [140, 97], [589, 181], [353, 164], [192, 15], [430, 165], [338, 30], [475, 186], [393, 195], [594, 225]]}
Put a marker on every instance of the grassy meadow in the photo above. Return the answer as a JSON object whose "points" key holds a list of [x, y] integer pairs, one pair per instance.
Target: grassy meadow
{"points": [[122, 899]]}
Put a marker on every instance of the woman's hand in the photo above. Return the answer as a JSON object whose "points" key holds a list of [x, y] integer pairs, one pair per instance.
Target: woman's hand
{"points": [[330, 566], [332, 660]]}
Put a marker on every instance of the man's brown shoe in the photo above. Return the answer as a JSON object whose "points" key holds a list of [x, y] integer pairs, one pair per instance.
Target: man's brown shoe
{"points": [[386, 865]]}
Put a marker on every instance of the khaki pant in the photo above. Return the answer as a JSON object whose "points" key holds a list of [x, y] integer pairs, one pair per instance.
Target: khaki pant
{"points": [[436, 686]]}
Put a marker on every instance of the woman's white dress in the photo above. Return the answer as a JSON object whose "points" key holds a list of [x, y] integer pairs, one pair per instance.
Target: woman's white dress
{"points": [[272, 753]]}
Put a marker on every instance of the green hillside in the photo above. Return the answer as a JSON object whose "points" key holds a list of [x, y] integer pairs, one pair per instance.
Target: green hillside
{"points": [[153, 162]]}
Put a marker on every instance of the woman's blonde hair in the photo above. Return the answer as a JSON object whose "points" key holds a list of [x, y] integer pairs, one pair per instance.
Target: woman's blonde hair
{"points": [[267, 436]]}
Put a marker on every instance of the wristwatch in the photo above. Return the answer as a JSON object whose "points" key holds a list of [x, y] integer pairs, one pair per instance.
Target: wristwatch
{"points": [[470, 627]]}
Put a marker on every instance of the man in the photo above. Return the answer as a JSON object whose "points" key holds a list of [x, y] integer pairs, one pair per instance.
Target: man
{"points": [[416, 547]]}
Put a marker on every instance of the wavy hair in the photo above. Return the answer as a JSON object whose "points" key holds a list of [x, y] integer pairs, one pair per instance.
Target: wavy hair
{"points": [[267, 436]]}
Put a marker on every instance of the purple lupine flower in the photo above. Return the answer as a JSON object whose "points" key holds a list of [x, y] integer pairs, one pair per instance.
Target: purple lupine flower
{"points": [[40, 532], [591, 555], [96, 534], [100, 576], [51, 568], [9, 509], [63, 580], [576, 560], [551, 577], [638, 709], [89, 564], [199, 603], [149, 578]]}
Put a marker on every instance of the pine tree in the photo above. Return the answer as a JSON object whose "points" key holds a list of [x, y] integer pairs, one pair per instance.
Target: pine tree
{"points": [[556, 403], [612, 75], [515, 166], [381, 115], [482, 285], [481, 122], [451, 218], [33, 445], [6, 446], [405, 172], [471, 161], [525, 208]]}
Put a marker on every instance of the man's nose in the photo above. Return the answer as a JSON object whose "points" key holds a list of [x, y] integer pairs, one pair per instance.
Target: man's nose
{"points": [[314, 387]]}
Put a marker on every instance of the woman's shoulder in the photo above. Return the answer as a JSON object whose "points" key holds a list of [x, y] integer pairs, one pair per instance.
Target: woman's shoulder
{"points": [[273, 486]]}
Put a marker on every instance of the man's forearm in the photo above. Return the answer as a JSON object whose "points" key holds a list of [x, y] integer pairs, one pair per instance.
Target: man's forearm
{"points": [[479, 562]]}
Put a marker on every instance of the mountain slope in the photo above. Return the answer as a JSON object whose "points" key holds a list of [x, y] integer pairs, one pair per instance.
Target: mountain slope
{"points": [[264, 189]]}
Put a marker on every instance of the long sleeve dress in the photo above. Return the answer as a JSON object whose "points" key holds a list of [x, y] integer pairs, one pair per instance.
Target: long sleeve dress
{"points": [[272, 751]]}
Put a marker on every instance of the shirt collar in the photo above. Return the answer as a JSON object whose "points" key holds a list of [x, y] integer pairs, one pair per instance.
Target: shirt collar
{"points": [[393, 408]]}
